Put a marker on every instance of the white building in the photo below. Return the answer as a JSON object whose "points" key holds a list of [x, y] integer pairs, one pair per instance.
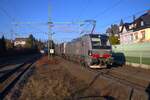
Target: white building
{"points": [[137, 31], [20, 42]]}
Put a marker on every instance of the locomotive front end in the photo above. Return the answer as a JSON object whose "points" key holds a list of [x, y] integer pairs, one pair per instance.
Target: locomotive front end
{"points": [[100, 54], [100, 58]]}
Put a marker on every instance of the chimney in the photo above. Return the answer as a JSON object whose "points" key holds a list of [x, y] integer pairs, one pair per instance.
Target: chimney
{"points": [[134, 18], [148, 11]]}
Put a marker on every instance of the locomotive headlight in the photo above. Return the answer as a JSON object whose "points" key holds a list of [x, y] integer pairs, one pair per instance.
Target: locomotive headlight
{"points": [[100, 56], [89, 52]]}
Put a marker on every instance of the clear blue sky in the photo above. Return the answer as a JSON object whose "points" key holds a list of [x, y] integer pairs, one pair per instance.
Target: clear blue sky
{"points": [[103, 11]]}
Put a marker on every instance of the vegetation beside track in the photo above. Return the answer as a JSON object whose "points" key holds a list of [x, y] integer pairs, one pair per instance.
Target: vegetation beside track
{"points": [[51, 81]]}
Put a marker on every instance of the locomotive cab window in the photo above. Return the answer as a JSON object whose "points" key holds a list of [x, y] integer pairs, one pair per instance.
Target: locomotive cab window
{"points": [[105, 44], [95, 43], [100, 43]]}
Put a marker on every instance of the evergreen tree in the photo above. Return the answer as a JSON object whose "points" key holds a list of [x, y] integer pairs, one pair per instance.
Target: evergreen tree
{"points": [[121, 22], [9, 44], [2, 44], [30, 43]]}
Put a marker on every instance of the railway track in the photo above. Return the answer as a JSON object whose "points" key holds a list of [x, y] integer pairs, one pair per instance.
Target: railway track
{"points": [[112, 74], [129, 81], [3, 65], [10, 78], [134, 85], [125, 78]]}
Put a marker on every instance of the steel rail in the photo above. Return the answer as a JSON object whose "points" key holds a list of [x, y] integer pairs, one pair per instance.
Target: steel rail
{"points": [[8, 80]]}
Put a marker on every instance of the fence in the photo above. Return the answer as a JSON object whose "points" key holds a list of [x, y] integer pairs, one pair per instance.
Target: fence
{"points": [[138, 54]]}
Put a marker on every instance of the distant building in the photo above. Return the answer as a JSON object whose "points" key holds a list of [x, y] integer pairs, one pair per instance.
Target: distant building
{"points": [[20, 42], [137, 31]]}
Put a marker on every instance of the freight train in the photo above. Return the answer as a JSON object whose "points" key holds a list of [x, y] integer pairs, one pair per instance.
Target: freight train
{"points": [[92, 50]]}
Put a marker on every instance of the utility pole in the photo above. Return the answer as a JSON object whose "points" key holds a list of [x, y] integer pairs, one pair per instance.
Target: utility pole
{"points": [[49, 32], [50, 41], [12, 32]]}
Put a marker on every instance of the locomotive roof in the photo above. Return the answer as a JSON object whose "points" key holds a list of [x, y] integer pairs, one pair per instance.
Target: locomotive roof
{"points": [[91, 35], [94, 35]]}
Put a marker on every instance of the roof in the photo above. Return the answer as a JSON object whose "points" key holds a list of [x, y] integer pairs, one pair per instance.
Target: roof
{"points": [[145, 18], [126, 25], [20, 39]]}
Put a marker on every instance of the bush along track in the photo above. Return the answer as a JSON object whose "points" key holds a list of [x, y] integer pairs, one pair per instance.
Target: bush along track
{"points": [[51, 81]]}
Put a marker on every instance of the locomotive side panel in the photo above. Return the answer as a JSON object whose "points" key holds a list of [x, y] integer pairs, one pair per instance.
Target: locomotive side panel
{"points": [[78, 50], [57, 49], [85, 46], [88, 50], [68, 50]]}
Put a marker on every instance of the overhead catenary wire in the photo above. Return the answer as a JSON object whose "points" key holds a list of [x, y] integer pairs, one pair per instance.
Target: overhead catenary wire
{"points": [[11, 18], [126, 17], [83, 9], [108, 9], [34, 28], [7, 14]]}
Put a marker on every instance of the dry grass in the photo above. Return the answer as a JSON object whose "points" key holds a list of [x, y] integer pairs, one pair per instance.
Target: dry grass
{"points": [[51, 82], [45, 60]]}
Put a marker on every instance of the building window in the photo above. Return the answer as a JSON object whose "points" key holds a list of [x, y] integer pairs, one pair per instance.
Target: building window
{"points": [[142, 23], [131, 37], [143, 34], [136, 36]]}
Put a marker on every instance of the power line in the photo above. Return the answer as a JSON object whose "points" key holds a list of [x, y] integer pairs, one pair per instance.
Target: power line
{"points": [[109, 8], [126, 17], [7, 14], [11, 19], [83, 9]]}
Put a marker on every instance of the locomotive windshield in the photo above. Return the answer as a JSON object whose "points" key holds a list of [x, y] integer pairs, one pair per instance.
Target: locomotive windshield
{"points": [[95, 43], [100, 43], [105, 44]]}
